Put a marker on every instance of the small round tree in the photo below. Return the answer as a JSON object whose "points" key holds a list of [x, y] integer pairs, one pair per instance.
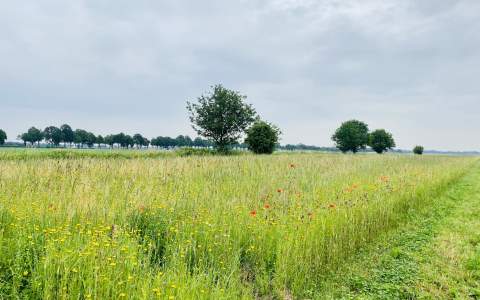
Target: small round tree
{"points": [[351, 136], [380, 141], [418, 150], [262, 137], [3, 137], [221, 116]]}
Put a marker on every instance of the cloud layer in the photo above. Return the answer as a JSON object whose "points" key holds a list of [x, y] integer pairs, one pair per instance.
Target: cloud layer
{"points": [[409, 66]]}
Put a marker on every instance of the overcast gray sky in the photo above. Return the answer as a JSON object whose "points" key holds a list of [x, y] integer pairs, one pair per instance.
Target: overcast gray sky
{"points": [[410, 66]]}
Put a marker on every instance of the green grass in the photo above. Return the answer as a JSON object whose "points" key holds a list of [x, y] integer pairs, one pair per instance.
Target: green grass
{"points": [[45, 153], [202, 227], [434, 255]]}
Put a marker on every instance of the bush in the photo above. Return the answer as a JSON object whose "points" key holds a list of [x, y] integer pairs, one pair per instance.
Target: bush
{"points": [[418, 150], [262, 137]]}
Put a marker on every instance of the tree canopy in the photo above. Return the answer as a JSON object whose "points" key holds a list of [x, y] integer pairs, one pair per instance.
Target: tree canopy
{"points": [[3, 137], [418, 150], [53, 135], [381, 141], [262, 137], [221, 116], [67, 134], [32, 136], [351, 136]]}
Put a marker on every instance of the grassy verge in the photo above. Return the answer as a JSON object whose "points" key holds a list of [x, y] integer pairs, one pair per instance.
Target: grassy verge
{"points": [[436, 255]]}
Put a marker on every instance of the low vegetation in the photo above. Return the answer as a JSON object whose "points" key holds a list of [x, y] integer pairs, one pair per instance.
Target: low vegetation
{"points": [[200, 227]]}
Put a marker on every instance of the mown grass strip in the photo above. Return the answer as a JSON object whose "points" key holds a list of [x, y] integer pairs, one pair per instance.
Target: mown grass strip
{"points": [[435, 255]]}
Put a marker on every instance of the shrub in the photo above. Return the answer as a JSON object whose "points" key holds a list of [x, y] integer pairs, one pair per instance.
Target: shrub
{"points": [[418, 150], [262, 137]]}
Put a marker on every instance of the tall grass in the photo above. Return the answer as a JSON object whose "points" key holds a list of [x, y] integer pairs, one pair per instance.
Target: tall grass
{"points": [[208, 227]]}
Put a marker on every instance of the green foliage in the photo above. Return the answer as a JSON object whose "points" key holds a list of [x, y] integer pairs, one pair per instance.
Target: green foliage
{"points": [[32, 136], [3, 137], [351, 136], [53, 135], [418, 150], [380, 141], [221, 116], [100, 140], [140, 141], [67, 133], [262, 137]]}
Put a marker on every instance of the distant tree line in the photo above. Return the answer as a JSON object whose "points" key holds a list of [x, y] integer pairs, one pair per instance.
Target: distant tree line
{"points": [[80, 138], [3, 137], [222, 117], [303, 147]]}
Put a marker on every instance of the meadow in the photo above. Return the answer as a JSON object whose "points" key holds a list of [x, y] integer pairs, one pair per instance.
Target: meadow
{"points": [[142, 225]]}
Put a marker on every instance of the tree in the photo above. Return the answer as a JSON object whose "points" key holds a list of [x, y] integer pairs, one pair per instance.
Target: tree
{"points": [[351, 136], [128, 141], [183, 141], [53, 135], [380, 141], [221, 116], [25, 138], [34, 135], [81, 137], [3, 137], [262, 137], [90, 139], [99, 140], [110, 140], [140, 141], [418, 150], [67, 134]]}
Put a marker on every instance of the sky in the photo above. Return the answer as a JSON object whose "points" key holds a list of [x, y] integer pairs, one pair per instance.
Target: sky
{"points": [[409, 66]]}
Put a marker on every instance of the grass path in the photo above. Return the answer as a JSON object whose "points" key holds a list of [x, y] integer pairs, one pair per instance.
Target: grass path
{"points": [[436, 255]]}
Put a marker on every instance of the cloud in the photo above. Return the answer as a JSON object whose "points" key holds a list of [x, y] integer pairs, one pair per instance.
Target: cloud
{"points": [[409, 66]]}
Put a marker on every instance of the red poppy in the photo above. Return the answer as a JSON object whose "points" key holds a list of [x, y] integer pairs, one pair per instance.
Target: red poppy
{"points": [[253, 213], [266, 206], [279, 190], [332, 205]]}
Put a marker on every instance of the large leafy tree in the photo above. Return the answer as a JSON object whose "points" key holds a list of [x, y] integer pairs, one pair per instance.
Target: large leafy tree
{"points": [[351, 136], [68, 134], [3, 137], [81, 137], [381, 141], [221, 116], [140, 140], [34, 135], [53, 135], [262, 137]]}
